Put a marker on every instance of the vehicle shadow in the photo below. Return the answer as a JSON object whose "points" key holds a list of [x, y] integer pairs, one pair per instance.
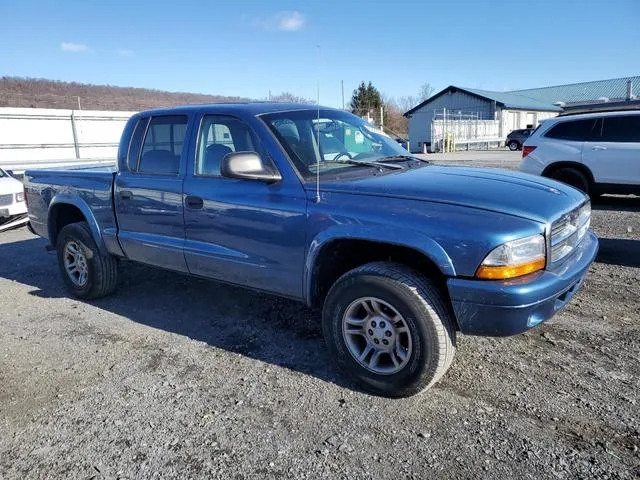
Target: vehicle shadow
{"points": [[618, 251], [270, 329], [625, 203]]}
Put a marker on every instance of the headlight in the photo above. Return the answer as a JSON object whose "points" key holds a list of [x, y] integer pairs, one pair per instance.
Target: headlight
{"points": [[568, 231], [20, 197], [514, 259]]}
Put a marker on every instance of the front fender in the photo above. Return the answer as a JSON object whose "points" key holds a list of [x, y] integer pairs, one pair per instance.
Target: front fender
{"points": [[80, 204], [416, 241]]}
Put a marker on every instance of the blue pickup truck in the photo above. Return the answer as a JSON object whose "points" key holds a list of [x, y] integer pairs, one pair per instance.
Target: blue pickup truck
{"points": [[316, 205]]}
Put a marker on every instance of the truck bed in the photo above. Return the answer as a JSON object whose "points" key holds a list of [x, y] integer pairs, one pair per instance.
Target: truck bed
{"points": [[87, 189]]}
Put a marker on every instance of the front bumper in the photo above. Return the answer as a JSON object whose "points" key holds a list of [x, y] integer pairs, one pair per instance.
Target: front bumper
{"points": [[17, 208], [509, 307]]}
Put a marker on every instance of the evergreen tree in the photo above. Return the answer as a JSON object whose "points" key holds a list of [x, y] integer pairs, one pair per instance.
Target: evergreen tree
{"points": [[365, 99]]}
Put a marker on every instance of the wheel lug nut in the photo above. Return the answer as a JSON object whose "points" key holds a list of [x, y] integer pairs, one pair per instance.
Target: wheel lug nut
{"points": [[387, 333], [373, 324], [376, 341], [385, 341], [370, 332], [382, 325]]}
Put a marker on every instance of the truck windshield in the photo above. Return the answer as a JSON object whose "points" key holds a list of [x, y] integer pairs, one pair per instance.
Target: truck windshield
{"points": [[330, 141]]}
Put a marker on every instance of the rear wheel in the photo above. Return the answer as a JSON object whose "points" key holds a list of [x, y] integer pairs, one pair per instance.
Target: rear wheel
{"points": [[389, 328], [573, 177], [513, 145], [86, 272]]}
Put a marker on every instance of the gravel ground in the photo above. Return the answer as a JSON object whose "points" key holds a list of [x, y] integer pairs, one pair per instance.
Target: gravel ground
{"points": [[482, 158], [175, 377]]}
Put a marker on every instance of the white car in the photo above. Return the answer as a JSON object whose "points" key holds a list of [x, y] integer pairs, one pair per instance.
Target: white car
{"points": [[594, 152], [11, 197]]}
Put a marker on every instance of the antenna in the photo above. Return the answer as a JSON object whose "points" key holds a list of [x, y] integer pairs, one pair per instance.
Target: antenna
{"points": [[318, 130]]}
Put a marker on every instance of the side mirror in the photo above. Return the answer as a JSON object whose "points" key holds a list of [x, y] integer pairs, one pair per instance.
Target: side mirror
{"points": [[248, 166]]}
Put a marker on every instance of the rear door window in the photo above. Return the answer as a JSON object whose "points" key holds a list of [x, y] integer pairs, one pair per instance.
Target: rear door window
{"points": [[163, 144], [623, 129], [576, 130]]}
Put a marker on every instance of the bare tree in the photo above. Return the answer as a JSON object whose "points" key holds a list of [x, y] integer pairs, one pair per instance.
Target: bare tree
{"points": [[394, 121], [426, 90], [288, 97], [406, 102]]}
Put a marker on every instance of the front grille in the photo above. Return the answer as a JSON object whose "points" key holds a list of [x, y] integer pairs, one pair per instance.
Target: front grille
{"points": [[6, 199], [568, 231]]}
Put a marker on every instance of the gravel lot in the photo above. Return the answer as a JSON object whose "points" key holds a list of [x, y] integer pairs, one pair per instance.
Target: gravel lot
{"points": [[175, 377]]}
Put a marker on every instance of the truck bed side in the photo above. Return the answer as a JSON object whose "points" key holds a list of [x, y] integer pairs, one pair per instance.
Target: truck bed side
{"points": [[58, 197]]}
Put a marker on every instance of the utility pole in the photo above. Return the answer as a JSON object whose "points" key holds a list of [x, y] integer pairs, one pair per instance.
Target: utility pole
{"points": [[342, 84], [79, 106]]}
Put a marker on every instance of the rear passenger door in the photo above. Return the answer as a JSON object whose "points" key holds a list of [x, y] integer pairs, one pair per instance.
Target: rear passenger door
{"points": [[566, 140], [614, 153], [148, 194]]}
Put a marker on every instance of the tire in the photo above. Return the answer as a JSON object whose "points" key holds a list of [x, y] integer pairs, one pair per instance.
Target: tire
{"points": [[573, 177], [513, 145], [101, 271], [430, 334]]}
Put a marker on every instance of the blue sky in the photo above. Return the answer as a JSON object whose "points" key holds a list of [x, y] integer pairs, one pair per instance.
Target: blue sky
{"points": [[247, 48]]}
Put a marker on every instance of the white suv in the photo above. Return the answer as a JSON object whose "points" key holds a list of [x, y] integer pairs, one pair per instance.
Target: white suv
{"points": [[594, 152], [11, 197]]}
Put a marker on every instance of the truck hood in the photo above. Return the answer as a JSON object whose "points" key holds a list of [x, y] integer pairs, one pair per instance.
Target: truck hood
{"points": [[501, 191], [10, 185]]}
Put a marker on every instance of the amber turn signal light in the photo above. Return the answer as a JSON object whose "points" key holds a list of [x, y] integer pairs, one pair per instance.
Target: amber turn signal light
{"points": [[490, 272]]}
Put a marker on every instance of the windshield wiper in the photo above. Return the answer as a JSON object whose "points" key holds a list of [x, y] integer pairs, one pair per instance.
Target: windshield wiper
{"points": [[367, 163], [401, 158]]}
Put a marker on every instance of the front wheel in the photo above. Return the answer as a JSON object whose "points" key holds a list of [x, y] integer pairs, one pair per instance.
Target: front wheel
{"points": [[389, 328], [87, 272], [513, 146]]}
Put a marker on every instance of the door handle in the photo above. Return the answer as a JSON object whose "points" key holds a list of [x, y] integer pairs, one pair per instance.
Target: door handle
{"points": [[195, 203], [598, 148], [126, 195]]}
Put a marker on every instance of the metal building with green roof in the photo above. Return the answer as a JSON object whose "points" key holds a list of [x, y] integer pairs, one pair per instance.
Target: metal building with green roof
{"points": [[517, 109]]}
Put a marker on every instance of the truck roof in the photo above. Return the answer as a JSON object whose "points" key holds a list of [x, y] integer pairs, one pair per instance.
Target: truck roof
{"points": [[253, 108]]}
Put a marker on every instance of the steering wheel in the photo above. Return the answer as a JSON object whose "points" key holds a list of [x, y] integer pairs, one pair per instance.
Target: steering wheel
{"points": [[340, 154]]}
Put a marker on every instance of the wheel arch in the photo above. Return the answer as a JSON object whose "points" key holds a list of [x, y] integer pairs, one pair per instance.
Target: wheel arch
{"points": [[332, 255], [64, 210], [554, 167]]}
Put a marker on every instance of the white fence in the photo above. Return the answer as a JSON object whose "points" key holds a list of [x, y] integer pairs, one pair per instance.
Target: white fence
{"points": [[36, 137], [464, 131]]}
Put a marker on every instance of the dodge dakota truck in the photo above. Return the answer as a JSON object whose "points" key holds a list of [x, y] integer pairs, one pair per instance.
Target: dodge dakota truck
{"points": [[314, 204]]}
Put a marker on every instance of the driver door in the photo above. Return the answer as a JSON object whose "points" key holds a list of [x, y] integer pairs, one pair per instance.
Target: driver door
{"points": [[246, 232]]}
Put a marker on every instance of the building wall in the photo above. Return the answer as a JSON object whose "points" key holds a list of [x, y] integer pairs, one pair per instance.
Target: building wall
{"points": [[518, 119], [420, 120]]}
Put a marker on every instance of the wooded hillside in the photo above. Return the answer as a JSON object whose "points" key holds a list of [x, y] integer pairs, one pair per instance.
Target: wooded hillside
{"points": [[40, 93]]}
